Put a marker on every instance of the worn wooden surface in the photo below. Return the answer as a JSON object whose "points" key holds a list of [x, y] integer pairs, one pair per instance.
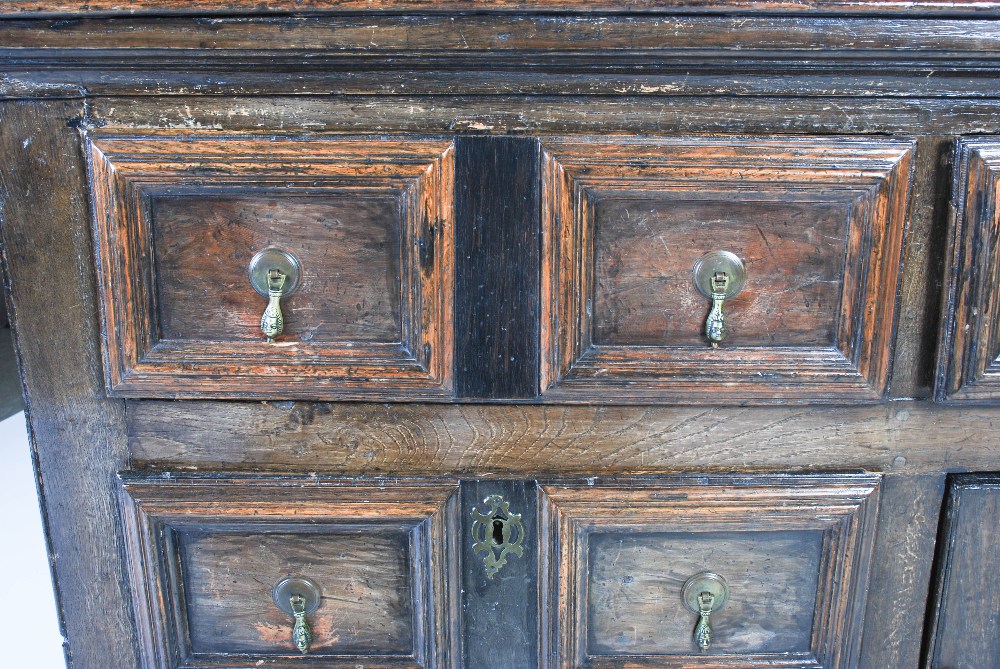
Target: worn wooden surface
{"points": [[496, 267], [500, 615], [348, 247], [707, 512], [634, 603], [909, 507], [159, 265], [970, 329], [205, 552], [366, 607], [77, 433], [868, 180], [965, 629], [531, 440]]}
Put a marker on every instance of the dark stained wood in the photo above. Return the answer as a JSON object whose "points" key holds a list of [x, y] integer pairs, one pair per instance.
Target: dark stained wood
{"points": [[909, 507], [613, 114], [862, 186], [496, 267], [713, 524], [531, 441], [205, 552], [203, 241], [965, 630], [349, 248], [970, 329], [366, 606], [77, 433], [500, 616], [635, 581], [44, 7]]}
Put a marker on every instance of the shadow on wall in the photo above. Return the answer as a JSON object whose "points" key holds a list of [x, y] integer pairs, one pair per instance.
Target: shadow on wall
{"points": [[10, 386]]}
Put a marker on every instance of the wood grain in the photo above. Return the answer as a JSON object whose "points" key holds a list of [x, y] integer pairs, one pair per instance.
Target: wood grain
{"points": [[964, 629], [43, 7], [634, 603], [77, 434], [709, 513], [970, 329], [204, 553], [531, 440], [867, 179], [201, 242]]}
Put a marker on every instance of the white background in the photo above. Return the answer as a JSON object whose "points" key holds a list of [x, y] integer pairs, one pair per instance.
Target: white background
{"points": [[29, 631]]}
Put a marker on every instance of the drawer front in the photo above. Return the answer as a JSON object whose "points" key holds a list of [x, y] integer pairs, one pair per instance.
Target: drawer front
{"points": [[624, 565], [970, 335], [180, 220], [965, 628], [817, 223], [207, 558]]}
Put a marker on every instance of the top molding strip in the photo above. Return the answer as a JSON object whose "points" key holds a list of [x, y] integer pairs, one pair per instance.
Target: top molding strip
{"points": [[28, 8]]}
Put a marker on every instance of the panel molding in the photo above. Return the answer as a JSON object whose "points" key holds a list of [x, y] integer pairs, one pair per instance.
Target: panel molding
{"points": [[153, 507], [127, 171], [872, 176], [968, 366], [844, 507]]}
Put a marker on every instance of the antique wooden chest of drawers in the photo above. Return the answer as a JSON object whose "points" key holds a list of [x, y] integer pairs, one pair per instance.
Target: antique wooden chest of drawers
{"points": [[511, 334]]}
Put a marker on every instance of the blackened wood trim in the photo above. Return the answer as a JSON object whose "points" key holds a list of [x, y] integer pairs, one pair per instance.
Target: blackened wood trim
{"points": [[500, 615], [77, 433], [531, 440], [496, 267]]}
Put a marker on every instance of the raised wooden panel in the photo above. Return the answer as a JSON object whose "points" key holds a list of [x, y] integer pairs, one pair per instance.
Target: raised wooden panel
{"points": [[795, 551], [965, 627], [968, 367], [178, 220], [818, 222], [204, 554]]}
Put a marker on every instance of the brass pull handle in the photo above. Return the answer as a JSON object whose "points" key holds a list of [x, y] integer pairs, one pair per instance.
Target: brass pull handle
{"points": [[298, 597], [301, 634], [718, 275], [274, 273], [272, 323], [704, 594]]}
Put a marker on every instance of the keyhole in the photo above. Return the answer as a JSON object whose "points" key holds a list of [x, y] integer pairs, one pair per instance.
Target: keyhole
{"points": [[498, 531]]}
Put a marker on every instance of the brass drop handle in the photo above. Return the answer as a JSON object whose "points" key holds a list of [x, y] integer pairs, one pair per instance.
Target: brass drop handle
{"points": [[274, 273], [301, 634], [272, 323], [718, 275], [298, 597], [704, 594]]}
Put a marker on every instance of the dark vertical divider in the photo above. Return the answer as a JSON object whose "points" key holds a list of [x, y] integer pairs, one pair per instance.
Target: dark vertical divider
{"points": [[497, 256], [500, 614]]}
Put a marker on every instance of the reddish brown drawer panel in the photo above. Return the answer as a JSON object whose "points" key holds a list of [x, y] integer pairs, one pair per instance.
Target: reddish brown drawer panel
{"points": [[205, 555], [179, 219], [794, 554], [817, 222], [968, 368]]}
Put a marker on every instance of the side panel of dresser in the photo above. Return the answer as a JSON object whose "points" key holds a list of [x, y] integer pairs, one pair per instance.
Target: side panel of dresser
{"points": [[77, 433]]}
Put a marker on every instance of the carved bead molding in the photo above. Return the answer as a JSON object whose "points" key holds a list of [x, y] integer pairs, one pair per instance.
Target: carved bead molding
{"points": [[809, 216], [967, 365], [177, 219], [795, 552], [204, 554]]}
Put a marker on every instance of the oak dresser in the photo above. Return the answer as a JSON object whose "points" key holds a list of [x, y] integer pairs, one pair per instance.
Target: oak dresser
{"points": [[647, 334]]}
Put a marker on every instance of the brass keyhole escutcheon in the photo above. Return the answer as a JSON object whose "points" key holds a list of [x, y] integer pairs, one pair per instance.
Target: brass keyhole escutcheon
{"points": [[298, 597], [718, 275], [498, 533], [274, 273], [704, 594]]}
